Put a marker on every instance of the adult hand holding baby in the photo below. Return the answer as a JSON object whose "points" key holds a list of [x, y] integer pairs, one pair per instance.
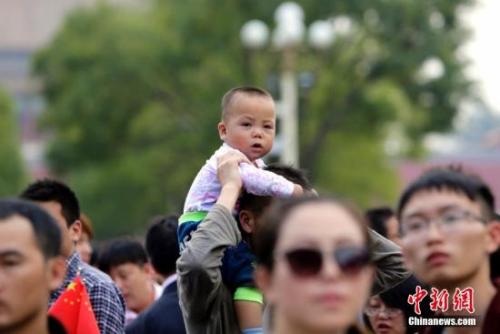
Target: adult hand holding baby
{"points": [[230, 178]]}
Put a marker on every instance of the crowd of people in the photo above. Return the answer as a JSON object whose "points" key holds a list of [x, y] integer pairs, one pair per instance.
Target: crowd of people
{"points": [[258, 250]]}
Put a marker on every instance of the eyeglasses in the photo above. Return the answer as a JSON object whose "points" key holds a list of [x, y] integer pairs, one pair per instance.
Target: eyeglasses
{"points": [[308, 262], [372, 311], [447, 222]]}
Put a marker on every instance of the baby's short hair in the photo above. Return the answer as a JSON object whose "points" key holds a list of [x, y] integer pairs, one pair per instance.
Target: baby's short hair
{"points": [[227, 99]]}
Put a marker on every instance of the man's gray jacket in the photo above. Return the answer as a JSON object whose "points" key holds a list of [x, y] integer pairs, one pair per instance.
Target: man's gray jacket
{"points": [[206, 303]]}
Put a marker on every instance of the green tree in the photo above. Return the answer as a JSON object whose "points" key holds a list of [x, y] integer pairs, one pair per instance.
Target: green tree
{"points": [[133, 96], [12, 173]]}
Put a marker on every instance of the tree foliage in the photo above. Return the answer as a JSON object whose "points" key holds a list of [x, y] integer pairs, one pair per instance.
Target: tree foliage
{"points": [[133, 95], [12, 173]]}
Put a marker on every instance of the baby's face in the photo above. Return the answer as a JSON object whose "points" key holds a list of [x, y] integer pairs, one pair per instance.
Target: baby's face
{"points": [[250, 125]]}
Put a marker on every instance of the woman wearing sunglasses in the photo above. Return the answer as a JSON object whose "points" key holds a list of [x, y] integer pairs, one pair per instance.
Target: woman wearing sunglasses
{"points": [[313, 265]]}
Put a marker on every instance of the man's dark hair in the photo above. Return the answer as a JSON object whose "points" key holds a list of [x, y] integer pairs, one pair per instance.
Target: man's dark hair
{"points": [[227, 99], [257, 204], [46, 231], [48, 190], [121, 251], [451, 178], [162, 245], [378, 217]]}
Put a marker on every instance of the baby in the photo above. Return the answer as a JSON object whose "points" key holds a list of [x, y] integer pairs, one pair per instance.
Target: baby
{"points": [[248, 126]]}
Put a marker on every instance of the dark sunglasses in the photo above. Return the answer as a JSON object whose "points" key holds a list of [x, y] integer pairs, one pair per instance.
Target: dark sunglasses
{"points": [[308, 262]]}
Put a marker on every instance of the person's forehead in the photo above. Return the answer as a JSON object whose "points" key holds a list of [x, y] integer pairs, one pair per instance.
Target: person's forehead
{"points": [[241, 102], [242, 97], [431, 200], [374, 300], [320, 222], [127, 267], [16, 234]]}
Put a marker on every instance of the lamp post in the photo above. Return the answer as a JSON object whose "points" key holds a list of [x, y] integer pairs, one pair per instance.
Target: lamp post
{"points": [[287, 38]]}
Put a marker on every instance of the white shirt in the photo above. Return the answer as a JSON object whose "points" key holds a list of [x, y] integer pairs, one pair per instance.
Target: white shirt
{"points": [[205, 189]]}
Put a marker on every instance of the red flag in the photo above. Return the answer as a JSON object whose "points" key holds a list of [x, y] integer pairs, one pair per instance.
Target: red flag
{"points": [[74, 311]]}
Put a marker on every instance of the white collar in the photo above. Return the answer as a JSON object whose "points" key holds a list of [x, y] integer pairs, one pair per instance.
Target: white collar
{"points": [[169, 280]]}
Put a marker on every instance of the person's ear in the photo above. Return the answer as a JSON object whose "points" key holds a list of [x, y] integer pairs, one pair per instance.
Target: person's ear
{"points": [[222, 130], [247, 221], [75, 231], [148, 269], [56, 271], [494, 236]]}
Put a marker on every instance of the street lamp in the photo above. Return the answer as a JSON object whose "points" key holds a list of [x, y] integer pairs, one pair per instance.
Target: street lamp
{"points": [[287, 37]]}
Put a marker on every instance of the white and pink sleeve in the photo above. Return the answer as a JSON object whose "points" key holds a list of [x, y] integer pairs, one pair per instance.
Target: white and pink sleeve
{"points": [[264, 183]]}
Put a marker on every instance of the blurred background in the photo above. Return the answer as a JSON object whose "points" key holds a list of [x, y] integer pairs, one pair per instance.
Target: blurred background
{"points": [[121, 98]]}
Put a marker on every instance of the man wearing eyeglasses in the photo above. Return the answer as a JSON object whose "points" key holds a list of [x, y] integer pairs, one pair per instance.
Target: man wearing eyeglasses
{"points": [[448, 232]]}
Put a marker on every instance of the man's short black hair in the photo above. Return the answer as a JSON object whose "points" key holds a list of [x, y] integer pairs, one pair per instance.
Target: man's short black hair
{"points": [[46, 231], [256, 204], [228, 98], [452, 178], [378, 217], [121, 251], [48, 190], [162, 244]]}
